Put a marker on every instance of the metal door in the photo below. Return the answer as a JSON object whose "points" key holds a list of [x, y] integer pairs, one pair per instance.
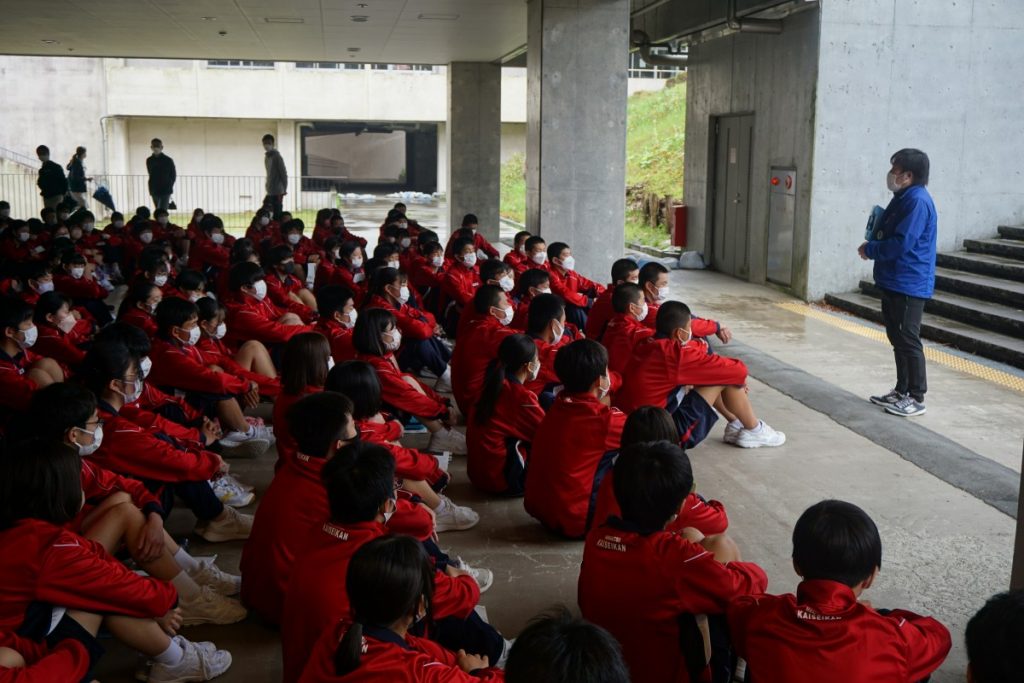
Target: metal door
{"points": [[731, 192]]}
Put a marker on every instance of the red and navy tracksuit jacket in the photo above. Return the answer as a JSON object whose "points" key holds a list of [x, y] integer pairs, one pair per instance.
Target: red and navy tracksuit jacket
{"points": [[706, 516], [622, 333], [572, 286], [185, 368], [250, 318], [398, 394], [600, 313], [339, 337], [409, 463], [477, 346], [517, 415], [68, 660]]}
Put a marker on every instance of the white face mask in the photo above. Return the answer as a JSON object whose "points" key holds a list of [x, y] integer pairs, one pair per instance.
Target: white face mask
{"points": [[689, 336], [403, 294], [352, 316], [157, 151], [44, 287], [437, 261], [539, 258], [195, 296], [396, 340], [406, 243], [88, 227], [357, 262], [892, 183], [534, 370], [507, 315], [268, 147], [118, 224], [67, 323], [160, 280], [330, 363], [469, 260], [388, 514], [145, 365], [395, 264], [569, 263], [76, 233], [260, 290], [77, 272], [264, 220], [162, 220], [335, 254], [24, 236], [193, 336], [602, 391], [522, 248], [136, 391], [97, 440], [217, 238], [294, 238], [506, 283], [146, 237], [222, 329], [644, 309], [663, 293], [557, 332], [546, 290], [29, 337]]}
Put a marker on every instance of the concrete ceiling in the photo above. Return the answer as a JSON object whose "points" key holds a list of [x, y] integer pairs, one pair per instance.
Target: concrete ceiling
{"points": [[394, 31]]}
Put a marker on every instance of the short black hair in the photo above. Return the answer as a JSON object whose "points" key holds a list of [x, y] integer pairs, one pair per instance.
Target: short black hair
{"points": [[652, 479], [649, 423], [190, 281], [492, 269], [533, 277], [650, 272], [318, 420], [241, 251], [915, 161], [625, 294], [543, 309], [534, 241], [331, 299], [13, 312], [555, 249], [59, 407], [470, 219], [131, 337], [370, 325], [559, 648], [107, 360], [279, 254], [42, 149], [358, 380], [622, 268], [40, 479], [208, 308], [580, 364], [522, 235], [268, 138], [461, 243], [836, 541], [245, 274], [358, 479], [993, 638], [173, 312], [156, 142], [672, 315], [49, 303], [486, 298]]}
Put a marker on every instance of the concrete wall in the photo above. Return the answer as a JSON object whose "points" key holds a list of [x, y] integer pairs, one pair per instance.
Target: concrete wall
{"points": [[954, 93], [513, 140], [773, 77]]}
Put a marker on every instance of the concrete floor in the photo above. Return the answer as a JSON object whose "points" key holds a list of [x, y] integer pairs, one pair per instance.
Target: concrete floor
{"points": [[945, 551]]}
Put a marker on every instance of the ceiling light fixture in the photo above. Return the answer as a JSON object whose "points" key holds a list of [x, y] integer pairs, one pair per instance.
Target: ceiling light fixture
{"points": [[208, 18], [360, 18], [284, 20], [48, 41], [354, 49], [438, 17]]}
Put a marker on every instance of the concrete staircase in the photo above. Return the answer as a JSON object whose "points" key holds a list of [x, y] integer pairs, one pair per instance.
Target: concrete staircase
{"points": [[979, 298]]}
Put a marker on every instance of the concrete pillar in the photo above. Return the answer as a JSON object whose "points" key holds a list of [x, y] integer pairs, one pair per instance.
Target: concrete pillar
{"points": [[577, 54], [474, 144]]}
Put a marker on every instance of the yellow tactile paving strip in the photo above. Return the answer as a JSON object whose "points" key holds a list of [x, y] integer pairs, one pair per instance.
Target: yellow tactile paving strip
{"points": [[950, 360]]}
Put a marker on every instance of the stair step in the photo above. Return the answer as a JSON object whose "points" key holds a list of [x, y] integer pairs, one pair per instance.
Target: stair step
{"points": [[984, 287], [1013, 249], [998, 347], [1011, 232], [981, 314], [983, 264]]}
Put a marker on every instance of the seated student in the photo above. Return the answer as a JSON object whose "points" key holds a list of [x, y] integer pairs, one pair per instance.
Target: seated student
{"points": [[653, 281], [825, 632], [305, 251], [191, 285], [252, 360], [661, 368], [422, 348], [138, 236], [460, 282], [648, 423], [179, 365], [348, 270], [640, 581], [363, 506], [139, 306], [478, 343], [322, 228], [171, 469], [575, 442], [503, 421], [36, 280], [390, 587], [546, 326], [153, 267], [119, 511], [385, 255], [261, 231], [26, 661], [77, 281], [295, 504], [623, 270], [21, 245], [516, 259], [338, 227], [62, 336], [993, 639], [578, 292], [376, 337], [532, 283], [560, 648], [284, 289], [470, 228], [21, 370], [624, 330], [60, 586], [426, 272], [421, 473], [211, 252], [251, 315], [304, 365], [338, 316], [497, 273]]}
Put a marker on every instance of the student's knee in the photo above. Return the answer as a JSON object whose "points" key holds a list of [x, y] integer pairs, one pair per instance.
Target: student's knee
{"points": [[9, 659], [50, 367], [253, 346]]}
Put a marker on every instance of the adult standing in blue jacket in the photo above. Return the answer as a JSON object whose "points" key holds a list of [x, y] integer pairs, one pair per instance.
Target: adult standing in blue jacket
{"points": [[903, 249]]}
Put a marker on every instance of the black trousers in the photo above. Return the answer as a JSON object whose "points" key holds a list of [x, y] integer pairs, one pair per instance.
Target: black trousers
{"points": [[902, 316]]}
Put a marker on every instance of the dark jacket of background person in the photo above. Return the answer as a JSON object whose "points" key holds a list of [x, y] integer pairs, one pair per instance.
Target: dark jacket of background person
{"points": [[52, 182], [76, 175], [277, 174], [162, 174]]}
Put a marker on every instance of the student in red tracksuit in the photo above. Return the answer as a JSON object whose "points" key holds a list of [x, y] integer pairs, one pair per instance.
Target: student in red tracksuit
{"points": [[504, 420], [532, 283], [478, 343], [516, 259], [252, 360], [376, 337], [546, 326], [26, 661], [374, 643], [497, 273], [21, 246], [649, 423], [421, 473], [56, 570], [661, 368], [427, 269], [21, 370], [178, 364], [77, 281], [624, 330], [653, 280], [460, 283], [363, 504], [139, 306], [322, 228], [825, 631], [284, 289], [348, 270], [210, 254], [61, 334], [338, 316], [576, 442], [304, 364], [251, 315], [306, 252], [336, 228], [623, 270], [470, 229], [578, 292], [644, 583], [263, 231]]}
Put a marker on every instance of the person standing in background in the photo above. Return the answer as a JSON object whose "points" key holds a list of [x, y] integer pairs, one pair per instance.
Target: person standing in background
{"points": [[162, 175], [77, 179], [52, 183], [277, 176]]}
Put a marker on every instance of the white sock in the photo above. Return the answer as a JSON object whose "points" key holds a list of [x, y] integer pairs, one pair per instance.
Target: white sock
{"points": [[441, 506], [172, 655], [736, 424], [187, 588], [186, 561], [759, 428]]}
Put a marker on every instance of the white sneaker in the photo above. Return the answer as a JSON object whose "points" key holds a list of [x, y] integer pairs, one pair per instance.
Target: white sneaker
{"points": [[209, 574], [505, 649], [229, 493], [448, 440], [762, 435], [251, 448], [427, 373], [199, 663], [210, 607], [234, 527], [258, 431], [731, 433], [234, 480], [454, 517], [483, 577], [444, 382]]}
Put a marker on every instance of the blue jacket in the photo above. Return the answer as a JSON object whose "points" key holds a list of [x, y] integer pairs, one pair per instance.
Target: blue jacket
{"points": [[904, 244]]}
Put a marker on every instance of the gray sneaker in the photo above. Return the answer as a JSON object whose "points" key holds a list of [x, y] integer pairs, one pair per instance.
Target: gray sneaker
{"points": [[890, 399], [906, 407]]}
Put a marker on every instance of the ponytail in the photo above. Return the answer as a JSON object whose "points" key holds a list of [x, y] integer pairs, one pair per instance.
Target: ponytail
{"points": [[494, 382], [349, 654]]}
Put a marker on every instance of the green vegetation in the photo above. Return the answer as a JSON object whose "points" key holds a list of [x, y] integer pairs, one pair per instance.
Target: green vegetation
{"points": [[654, 159]]}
